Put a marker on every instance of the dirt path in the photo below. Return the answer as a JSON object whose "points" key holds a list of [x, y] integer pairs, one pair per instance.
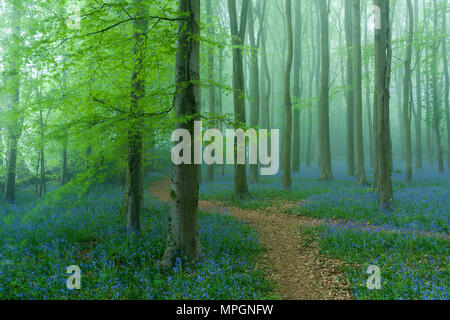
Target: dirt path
{"points": [[291, 261]]}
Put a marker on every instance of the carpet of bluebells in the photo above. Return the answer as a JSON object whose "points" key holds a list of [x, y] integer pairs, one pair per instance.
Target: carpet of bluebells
{"points": [[410, 245], [40, 239]]}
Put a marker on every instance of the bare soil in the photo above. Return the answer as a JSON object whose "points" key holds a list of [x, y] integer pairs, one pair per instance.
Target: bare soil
{"points": [[291, 260]]}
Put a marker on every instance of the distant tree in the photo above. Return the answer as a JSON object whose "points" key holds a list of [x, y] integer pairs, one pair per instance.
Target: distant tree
{"points": [[265, 103], [14, 126], [436, 101], [447, 79], [406, 94], [368, 105], [238, 34], [287, 141], [428, 100], [212, 89], [324, 121], [318, 34], [297, 86], [315, 66], [357, 94], [255, 40], [350, 89], [418, 113]]}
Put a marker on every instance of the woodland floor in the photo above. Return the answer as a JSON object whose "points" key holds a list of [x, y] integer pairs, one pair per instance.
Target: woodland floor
{"points": [[291, 261]]}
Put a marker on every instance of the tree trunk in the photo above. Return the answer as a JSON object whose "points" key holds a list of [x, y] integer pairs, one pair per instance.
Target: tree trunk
{"points": [[42, 188], [368, 105], [219, 97], [429, 116], [240, 175], [447, 82], [254, 85], [182, 234], [134, 165], [357, 95], [436, 102], [287, 141], [418, 117], [14, 129], [63, 175], [318, 152], [297, 86], [401, 121], [350, 89], [124, 207], [383, 60], [211, 91], [314, 57], [406, 95], [324, 122], [265, 105]]}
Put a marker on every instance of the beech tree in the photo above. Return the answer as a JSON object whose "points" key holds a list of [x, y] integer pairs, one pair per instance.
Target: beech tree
{"points": [[297, 86], [350, 88], [447, 81], [182, 232], [15, 126], [383, 62], [212, 89], [406, 95], [238, 37], [134, 163], [324, 121], [357, 94], [418, 112], [287, 137], [435, 89]]}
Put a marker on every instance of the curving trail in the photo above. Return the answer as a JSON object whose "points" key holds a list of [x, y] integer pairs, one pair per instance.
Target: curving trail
{"points": [[291, 261]]}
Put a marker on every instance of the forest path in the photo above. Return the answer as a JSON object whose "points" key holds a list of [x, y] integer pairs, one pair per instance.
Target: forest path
{"points": [[291, 261]]}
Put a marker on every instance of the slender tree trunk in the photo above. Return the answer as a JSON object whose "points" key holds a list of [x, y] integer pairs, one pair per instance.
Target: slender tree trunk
{"points": [[182, 235], [124, 207], [14, 129], [429, 116], [287, 141], [350, 89], [63, 176], [42, 188], [447, 81], [240, 175], [318, 85], [211, 91], [135, 144], [312, 77], [297, 86], [418, 117], [401, 121], [436, 102], [324, 121], [357, 95], [220, 98], [368, 105], [383, 60], [254, 85], [406, 95], [268, 90]]}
